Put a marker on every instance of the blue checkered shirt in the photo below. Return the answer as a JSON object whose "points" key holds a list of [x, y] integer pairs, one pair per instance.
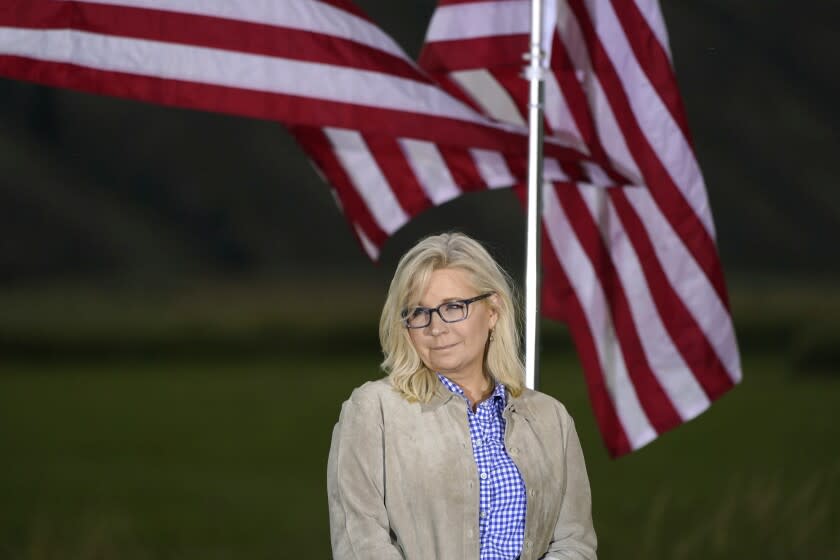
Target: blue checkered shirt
{"points": [[501, 498]]}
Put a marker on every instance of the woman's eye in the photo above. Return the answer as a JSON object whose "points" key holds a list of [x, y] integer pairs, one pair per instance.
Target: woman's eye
{"points": [[453, 306], [418, 311]]}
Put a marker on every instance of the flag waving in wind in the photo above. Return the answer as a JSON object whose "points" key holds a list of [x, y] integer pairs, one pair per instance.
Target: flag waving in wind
{"points": [[634, 271], [300, 62], [629, 254], [322, 68]]}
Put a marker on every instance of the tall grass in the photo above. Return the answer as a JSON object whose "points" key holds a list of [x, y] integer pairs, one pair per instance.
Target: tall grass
{"points": [[753, 517]]}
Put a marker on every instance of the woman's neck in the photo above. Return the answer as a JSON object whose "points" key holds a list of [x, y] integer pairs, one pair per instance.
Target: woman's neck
{"points": [[476, 387]]}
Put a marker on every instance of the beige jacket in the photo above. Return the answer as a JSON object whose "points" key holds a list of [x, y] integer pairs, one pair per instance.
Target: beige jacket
{"points": [[402, 481]]}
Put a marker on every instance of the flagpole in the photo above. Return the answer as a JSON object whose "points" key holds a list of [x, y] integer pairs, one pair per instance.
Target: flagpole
{"points": [[535, 74]]}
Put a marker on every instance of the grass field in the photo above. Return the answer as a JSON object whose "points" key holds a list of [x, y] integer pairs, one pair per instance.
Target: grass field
{"points": [[191, 458]]}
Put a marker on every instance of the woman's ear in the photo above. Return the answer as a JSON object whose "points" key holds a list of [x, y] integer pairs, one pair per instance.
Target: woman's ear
{"points": [[493, 310]]}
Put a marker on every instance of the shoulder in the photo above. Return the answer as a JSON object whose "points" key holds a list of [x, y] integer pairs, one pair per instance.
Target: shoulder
{"points": [[378, 394], [541, 406], [372, 403], [541, 401], [373, 391]]}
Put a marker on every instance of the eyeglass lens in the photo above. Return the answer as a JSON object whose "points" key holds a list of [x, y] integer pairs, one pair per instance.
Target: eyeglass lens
{"points": [[449, 312]]}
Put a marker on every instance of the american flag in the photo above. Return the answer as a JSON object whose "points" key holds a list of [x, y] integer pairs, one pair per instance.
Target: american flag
{"points": [[632, 269], [300, 62]]}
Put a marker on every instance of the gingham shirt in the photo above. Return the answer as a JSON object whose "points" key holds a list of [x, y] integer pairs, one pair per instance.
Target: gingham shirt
{"points": [[501, 521]]}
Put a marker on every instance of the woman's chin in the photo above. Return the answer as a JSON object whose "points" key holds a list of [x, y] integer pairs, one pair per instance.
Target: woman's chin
{"points": [[446, 368], [443, 370]]}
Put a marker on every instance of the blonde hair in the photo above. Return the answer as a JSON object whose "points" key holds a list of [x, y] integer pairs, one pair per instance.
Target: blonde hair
{"points": [[402, 363]]}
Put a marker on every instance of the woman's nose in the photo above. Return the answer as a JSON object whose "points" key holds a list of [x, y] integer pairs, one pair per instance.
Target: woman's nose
{"points": [[437, 325]]}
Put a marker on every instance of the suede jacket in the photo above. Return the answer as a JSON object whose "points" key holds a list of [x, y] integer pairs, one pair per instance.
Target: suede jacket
{"points": [[402, 481]]}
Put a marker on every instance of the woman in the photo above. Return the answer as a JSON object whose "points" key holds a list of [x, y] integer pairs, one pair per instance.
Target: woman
{"points": [[450, 457]]}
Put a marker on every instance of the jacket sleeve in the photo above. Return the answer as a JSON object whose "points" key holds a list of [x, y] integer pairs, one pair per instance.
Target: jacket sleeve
{"points": [[359, 526], [574, 535]]}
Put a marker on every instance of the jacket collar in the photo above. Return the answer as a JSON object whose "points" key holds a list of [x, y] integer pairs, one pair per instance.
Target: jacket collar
{"points": [[516, 405], [442, 396], [522, 404]]}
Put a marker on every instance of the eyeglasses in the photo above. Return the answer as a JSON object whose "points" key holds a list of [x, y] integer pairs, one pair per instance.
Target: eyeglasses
{"points": [[448, 311]]}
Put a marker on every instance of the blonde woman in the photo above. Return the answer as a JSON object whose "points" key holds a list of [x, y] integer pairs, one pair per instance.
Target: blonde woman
{"points": [[449, 457]]}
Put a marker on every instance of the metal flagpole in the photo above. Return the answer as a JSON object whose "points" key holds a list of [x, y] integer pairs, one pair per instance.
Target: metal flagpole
{"points": [[535, 74]]}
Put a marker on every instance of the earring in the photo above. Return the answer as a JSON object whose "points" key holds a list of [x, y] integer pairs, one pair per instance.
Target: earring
{"points": [[491, 335]]}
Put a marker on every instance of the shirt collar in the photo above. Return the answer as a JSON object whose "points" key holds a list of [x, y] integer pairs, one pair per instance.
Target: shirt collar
{"points": [[498, 394]]}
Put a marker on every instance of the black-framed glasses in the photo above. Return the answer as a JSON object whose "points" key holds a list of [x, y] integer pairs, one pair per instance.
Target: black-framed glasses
{"points": [[449, 312]]}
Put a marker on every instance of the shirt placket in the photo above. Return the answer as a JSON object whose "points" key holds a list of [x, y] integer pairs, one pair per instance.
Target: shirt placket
{"points": [[483, 428], [487, 430]]}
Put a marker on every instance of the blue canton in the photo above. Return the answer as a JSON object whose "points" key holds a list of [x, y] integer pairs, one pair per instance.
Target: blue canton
{"points": [[501, 497]]}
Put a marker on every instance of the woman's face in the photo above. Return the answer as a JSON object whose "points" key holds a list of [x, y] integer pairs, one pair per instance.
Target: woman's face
{"points": [[454, 349]]}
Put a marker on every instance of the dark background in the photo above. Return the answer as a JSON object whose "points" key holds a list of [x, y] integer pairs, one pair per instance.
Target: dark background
{"points": [[183, 309]]}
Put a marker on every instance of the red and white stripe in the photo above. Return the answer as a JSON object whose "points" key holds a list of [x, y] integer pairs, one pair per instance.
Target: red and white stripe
{"points": [[301, 62], [634, 270], [306, 63], [381, 182]]}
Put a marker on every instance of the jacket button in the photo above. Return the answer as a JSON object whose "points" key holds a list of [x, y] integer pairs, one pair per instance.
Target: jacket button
{"points": [[532, 492], [514, 451]]}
